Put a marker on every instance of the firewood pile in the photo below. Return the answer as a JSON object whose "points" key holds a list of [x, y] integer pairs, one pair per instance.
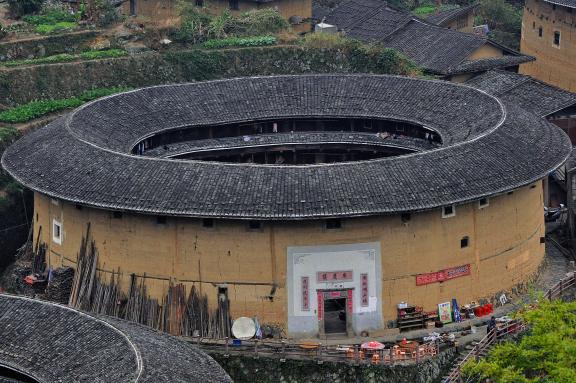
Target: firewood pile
{"points": [[180, 312], [59, 285]]}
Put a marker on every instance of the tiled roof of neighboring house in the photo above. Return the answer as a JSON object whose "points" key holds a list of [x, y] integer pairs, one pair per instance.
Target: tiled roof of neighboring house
{"points": [[52, 343], [533, 95], [435, 49], [490, 63], [446, 16], [487, 148], [564, 3]]}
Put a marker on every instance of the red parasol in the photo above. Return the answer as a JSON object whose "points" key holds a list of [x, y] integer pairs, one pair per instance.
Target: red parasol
{"points": [[372, 345]]}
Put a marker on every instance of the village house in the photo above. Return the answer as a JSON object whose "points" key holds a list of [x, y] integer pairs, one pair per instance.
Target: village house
{"points": [[455, 55], [548, 29]]}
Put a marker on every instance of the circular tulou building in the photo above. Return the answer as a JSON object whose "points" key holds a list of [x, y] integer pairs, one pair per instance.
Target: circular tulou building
{"points": [[294, 196]]}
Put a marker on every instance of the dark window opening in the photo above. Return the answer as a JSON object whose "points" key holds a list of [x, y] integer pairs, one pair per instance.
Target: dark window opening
{"points": [[161, 220], [222, 294], [448, 211], [542, 239], [199, 3], [254, 225], [483, 202], [539, 31], [78, 207], [553, 7], [557, 38], [333, 224], [405, 217], [532, 186], [118, 214], [464, 242], [233, 5], [510, 193], [534, 25], [208, 222], [36, 217]]}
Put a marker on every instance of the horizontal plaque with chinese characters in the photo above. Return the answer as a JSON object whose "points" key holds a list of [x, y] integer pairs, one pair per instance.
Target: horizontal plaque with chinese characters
{"points": [[334, 276]]}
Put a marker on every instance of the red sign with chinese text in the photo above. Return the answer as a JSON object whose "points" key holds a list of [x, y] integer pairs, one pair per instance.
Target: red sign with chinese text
{"points": [[320, 305], [349, 301], [442, 275]]}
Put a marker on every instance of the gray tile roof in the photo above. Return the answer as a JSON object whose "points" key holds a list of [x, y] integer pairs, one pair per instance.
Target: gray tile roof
{"points": [[435, 49], [488, 148], [53, 343], [533, 95], [564, 3], [450, 14], [488, 63]]}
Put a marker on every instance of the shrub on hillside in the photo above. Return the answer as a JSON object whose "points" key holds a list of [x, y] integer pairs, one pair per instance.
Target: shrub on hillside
{"points": [[240, 42], [19, 8], [257, 22]]}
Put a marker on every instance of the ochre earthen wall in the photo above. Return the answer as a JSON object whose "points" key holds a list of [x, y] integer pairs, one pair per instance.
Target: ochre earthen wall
{"points": [[555, 65], [504, 250]]}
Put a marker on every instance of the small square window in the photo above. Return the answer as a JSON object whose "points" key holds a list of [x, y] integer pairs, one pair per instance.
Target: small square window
{"points": [[448, 211], [117, 214], [56, 232], [208, 223], [161, 220], [254, 225], [332, 224], [483, 202], [464, 242], [557, 38], [405, 217], [78, 207]]}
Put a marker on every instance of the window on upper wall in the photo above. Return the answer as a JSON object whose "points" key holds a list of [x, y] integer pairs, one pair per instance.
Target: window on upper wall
{"points": [[332, 224], [254, 225], [233, 5], [161, 220], [56, 231], [483, 202], [117, 214], [534, 25], [208, 223], [557, 38], [448, 211], [199, 3], [464, 242], [539, 31]]}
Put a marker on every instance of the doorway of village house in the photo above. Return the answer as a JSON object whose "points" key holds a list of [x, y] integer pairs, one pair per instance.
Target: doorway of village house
{"points": [[334, 307]]}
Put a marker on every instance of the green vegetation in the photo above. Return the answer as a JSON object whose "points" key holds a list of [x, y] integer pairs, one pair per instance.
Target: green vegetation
{"points": [[381, 59], [428, 9], [66, 57], [546, 355], [37, 109], [504, 21], [198, 24], [240, 42], [52, 20]]}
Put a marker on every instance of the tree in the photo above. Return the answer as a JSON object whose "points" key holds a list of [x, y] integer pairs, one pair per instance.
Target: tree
{"points": [[546, 354], [19, 8]]}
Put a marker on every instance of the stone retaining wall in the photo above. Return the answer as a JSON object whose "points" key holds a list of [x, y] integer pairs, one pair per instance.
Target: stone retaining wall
{"points": [[267, 370]]}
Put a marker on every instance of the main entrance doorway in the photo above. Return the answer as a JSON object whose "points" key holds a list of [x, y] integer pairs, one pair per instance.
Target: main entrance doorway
{"points": [[335, 312]]}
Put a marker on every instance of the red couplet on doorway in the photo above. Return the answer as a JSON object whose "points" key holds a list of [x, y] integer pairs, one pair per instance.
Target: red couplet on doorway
{"points": [[349, 301], [320, 305]]}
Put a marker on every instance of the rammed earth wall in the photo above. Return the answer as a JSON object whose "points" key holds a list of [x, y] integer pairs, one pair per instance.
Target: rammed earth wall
{"points": [[247, 369], [24, 84]]}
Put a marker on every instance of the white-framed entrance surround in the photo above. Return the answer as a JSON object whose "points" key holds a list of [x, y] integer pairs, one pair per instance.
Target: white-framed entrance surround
{"points": [[309, 263]]}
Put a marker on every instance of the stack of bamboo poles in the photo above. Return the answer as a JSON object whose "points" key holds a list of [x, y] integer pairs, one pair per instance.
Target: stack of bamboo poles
{"points": [[180, 313]]}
